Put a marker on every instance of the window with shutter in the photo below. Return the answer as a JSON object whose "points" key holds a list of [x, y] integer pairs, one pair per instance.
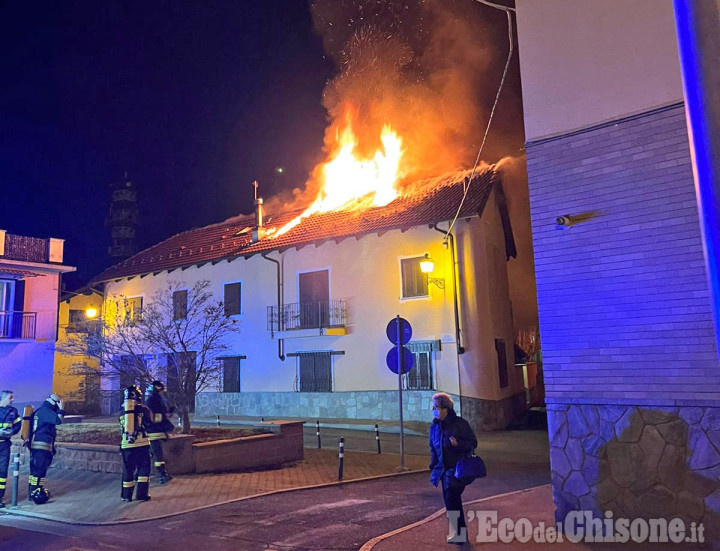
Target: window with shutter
{"points": [[502, 362], [315, 371], [181, 371], [232, 299], [180, 305], [414, 281], [231, 374]]}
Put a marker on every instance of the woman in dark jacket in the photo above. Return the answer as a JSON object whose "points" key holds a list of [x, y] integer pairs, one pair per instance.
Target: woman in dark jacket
{"points": [[451, 439]]}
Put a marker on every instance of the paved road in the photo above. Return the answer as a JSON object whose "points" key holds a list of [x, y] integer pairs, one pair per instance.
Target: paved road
{"points": [[334, 518]]}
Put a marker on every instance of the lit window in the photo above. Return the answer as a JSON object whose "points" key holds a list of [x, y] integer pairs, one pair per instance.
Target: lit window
{"points": [[414, 281], [133, 310]]}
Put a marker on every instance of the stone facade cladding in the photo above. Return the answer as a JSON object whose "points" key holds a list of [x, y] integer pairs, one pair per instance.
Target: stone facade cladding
{"points": [[624, 306], [638, 462], [377, 405]]}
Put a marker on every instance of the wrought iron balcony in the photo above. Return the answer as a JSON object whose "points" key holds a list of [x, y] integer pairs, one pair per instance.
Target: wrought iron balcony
{"points": [[17, 325], [307, 315]]}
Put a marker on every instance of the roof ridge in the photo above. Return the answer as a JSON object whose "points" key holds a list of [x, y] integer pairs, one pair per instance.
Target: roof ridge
{"points": [[431, 199]]}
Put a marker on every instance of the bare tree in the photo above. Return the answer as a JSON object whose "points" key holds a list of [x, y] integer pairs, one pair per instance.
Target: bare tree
{"points": [[179, 336]]}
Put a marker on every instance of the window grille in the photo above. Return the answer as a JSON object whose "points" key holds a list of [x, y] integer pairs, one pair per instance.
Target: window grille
{"points": [[420, 376]]}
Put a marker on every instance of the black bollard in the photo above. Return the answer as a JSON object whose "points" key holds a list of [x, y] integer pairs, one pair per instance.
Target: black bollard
{"points": [[262, 419], [377, 438], [317, 431], [218, 420], [341, 455], [16, 479]]}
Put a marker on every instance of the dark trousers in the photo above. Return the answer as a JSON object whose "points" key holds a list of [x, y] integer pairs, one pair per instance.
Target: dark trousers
{"points": [[39, 462], [4, 464], [452, 491], [136, 471], [156, 448]]}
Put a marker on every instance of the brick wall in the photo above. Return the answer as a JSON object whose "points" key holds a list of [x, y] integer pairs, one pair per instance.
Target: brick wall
{"points": [[623, 299]]}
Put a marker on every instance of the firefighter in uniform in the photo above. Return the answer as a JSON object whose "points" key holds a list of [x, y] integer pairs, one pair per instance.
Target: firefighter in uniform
{"points": [[10, 421], [159, 427], [45, 419], [135, 446]]}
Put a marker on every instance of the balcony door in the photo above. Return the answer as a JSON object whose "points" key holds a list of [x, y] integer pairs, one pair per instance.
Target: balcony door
{"points": [[7, 306], [314, 295]]}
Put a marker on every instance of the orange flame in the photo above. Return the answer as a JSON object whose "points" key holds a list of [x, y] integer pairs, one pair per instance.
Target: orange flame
{"points": [[350, 183]]}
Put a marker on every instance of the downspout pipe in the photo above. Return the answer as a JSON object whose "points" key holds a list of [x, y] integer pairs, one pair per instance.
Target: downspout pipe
{"points": [[281, 342], [460, 348]]}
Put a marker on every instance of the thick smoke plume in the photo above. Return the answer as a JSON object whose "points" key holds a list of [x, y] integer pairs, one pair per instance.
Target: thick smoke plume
{"points": [[429, 68]]}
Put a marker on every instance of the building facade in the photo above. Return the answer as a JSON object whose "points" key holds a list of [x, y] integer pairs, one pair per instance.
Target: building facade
{"points": [[30, 281], [77, 378], [629, 352], [313, 306]]}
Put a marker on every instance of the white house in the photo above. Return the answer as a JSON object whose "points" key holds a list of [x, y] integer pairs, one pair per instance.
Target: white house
{"points": [[314, 304], [30, 272]]}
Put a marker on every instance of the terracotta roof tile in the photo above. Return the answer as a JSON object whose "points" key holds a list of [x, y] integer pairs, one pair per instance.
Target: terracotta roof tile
{"points": [[435, 200]]}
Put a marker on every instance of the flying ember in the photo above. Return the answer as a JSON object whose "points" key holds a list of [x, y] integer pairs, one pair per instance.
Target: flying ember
{"points": [[350, 183]]}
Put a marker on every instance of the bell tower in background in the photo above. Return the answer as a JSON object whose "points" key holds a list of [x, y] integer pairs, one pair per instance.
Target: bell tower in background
{"points": [[122, 220]]}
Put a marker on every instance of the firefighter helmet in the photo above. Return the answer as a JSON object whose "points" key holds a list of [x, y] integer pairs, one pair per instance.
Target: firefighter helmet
{"points": [[158, 386], [133, 392], [40, 495]]}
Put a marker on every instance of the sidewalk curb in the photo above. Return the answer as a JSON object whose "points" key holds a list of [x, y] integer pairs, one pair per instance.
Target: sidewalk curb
{"points": [[10, 511], [369, 545]]}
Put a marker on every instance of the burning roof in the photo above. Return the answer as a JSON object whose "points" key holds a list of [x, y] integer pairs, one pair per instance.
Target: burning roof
{"points": [[425, 202]]}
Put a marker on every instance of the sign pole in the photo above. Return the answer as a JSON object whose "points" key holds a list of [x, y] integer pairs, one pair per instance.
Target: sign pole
{"points": [[400, 400]]}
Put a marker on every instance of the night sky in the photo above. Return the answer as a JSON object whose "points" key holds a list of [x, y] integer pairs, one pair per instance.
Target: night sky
{"points": [[195, 100]]}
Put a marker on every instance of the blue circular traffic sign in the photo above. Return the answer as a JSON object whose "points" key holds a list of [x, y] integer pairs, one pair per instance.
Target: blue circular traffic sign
{"points": [[407, 360], [405, 331]]}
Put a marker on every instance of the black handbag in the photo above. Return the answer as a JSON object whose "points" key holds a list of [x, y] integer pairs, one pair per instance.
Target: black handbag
{"points": [[469, 468]]}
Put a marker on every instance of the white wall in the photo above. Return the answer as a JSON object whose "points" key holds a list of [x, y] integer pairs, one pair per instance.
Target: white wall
{"points": [[366, 273], [584, 62], [26, 367]]}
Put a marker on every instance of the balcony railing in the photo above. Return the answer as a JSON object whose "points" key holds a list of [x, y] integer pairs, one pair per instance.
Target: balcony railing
{"points": [[307, 315], [17, 325]]}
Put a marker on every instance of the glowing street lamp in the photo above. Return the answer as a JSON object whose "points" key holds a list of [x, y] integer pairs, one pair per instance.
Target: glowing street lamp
{"points": [[91, 313], [427, 266]]}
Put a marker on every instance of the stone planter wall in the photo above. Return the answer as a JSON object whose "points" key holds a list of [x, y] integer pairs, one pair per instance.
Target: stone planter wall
{"points": [[184, 456], [106, 458], [638, 462], [261, 450]]}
